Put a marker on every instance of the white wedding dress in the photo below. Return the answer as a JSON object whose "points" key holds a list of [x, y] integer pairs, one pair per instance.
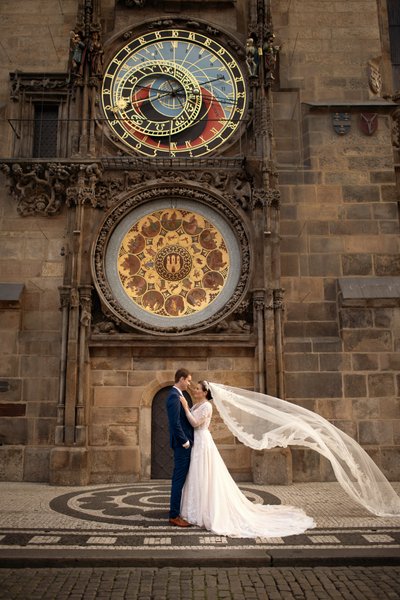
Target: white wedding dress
{"points": [[211, 498]]}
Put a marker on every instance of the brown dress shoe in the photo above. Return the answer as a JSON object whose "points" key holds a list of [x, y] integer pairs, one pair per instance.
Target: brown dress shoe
{"points": [[179, 522]]}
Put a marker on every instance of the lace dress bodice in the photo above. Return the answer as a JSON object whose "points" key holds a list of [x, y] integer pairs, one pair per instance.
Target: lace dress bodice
{"points": [[200, 416]]}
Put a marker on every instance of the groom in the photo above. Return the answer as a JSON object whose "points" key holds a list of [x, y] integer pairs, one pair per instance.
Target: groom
{"points": [[181, 440]]}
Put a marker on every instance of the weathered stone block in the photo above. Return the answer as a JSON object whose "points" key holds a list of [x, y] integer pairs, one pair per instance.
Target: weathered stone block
{"points": [[356, 211], [324, 265], [326, 244], [357, 264], [297, 345], [36, 389], [13, 390], [220, 362], [367, 341], [122, 435], [390, 463], [335, 362], [69, 466], [362, 228], [272, 467], [108, 415], [36, 464], [390, 407], [366, 408], [365, 362], [14, 430], [306, 465], [115, 378], [116, 396], [9, 366], [361, 193], [381, 384], [311, 329], [290, 265], [328, 344], [320, 385], [334, 409], [11, 463], [390, 362], [355, 318], [387, 264], [301, 362], [111, 462], [383, 317], [376, 432], [355, 386], [98, 435]]}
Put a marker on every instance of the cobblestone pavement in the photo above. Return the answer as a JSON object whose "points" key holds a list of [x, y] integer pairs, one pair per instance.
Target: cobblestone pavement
{"points": [[319, 583], [127, 526]]}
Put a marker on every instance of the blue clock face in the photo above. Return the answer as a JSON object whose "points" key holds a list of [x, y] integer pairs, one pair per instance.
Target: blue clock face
{"points": [[174, 92]]}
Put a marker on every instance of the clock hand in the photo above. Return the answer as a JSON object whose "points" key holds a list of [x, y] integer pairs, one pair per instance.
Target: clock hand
{"points": [[211, 98], [211, 80]]}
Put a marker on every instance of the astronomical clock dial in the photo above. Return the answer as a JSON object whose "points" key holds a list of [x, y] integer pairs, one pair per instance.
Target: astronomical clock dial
{"points": [[173, 92], [169, 264]]}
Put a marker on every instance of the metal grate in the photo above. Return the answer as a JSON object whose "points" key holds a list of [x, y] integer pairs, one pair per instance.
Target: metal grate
{"points": [[45, 130]]}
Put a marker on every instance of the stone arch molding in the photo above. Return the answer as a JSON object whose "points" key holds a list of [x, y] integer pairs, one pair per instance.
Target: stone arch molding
{"points": [[129, 207]]}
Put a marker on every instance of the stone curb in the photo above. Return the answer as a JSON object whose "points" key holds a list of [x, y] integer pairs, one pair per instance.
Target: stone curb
{"points": [[39, 558]]}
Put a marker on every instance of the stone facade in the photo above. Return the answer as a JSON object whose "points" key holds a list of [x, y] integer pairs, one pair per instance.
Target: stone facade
{"points": [[318, 200]]}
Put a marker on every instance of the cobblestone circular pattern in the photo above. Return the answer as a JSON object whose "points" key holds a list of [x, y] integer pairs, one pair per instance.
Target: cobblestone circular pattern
{"points": [[146, 503]]}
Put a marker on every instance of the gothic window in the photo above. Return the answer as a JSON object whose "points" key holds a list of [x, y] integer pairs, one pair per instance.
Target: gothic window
{"points": [[45, 130], [39, 116]]}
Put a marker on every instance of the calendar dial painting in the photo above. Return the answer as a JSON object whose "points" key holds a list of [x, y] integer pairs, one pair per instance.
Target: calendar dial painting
{"points": [[170, 265], [173, 263]]}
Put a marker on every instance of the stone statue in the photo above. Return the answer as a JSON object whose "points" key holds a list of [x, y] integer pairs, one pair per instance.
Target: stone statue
{"points": [[251, 57]]}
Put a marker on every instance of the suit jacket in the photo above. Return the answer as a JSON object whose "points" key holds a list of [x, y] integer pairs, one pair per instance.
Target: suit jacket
{"points": [[180, 430]]}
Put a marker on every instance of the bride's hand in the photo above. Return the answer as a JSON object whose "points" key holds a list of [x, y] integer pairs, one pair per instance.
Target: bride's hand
{"points": [[184, 402]]}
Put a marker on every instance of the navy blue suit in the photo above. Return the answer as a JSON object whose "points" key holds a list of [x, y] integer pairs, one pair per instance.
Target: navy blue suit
{"points": [[180, 431]]}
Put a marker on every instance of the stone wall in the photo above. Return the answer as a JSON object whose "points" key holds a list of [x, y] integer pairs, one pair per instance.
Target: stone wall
{"points": [[124, 383], [339, 220], [29, 340]]}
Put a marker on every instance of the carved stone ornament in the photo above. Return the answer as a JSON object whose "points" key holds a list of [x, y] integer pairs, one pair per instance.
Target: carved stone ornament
{"points": [[278, 295], [171, 259], [341, 122], [39, 188], [374, 76], [368, 123], [396, 128], [43, 188]]}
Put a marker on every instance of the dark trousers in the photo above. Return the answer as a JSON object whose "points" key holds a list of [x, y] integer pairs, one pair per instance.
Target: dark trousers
{"points": [[181, 468]]}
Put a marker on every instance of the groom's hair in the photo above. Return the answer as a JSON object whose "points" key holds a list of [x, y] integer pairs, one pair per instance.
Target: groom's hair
{"points": [[181, 373]]}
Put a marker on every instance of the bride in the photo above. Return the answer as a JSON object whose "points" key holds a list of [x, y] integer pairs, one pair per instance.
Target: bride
{"points": [[211, 498]]}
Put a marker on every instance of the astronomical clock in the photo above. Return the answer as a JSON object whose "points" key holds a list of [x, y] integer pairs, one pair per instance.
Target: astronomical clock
{"points": [[172, 254], [174, 92]]}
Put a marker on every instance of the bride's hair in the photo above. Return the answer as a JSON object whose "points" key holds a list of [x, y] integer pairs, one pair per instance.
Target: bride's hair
{"points": [[205, 386]]}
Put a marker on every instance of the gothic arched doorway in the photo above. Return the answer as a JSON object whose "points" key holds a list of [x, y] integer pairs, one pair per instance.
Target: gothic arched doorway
{"points": [[161, 452]]}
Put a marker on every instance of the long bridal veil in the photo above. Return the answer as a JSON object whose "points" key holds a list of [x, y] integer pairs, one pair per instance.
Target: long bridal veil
{"points": [[262, 422]]}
